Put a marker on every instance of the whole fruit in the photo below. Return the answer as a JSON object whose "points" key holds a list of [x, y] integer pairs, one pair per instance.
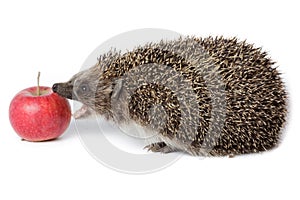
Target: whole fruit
{"points": [[39, 114]]}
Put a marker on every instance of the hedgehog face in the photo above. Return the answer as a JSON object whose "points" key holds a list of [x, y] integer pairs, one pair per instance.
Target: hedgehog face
{"points": [[88, 88], [83, 91]]}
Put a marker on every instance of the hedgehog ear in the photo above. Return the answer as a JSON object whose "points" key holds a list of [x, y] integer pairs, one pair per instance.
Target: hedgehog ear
{"points": [[117, 89]]}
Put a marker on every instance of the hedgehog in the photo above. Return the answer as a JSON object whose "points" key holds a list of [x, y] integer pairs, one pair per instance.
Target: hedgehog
{"points": [[210, 96]]}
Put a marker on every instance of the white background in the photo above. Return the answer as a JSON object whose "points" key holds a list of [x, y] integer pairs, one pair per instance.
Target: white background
{"points": [[55, 37]]}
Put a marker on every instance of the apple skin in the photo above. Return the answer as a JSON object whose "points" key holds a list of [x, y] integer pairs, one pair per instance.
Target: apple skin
{"points": [[39, 118]]}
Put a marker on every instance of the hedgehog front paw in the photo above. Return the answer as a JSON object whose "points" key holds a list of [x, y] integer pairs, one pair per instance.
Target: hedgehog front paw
{"points": [[83, 112], [159, 147]]}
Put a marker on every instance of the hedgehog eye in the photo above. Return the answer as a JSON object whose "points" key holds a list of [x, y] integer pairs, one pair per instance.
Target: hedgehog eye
{"points": [[84, 87]]}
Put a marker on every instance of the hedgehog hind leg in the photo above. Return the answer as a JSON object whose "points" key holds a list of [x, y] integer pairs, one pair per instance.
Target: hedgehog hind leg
{"points": [[160, 147]]}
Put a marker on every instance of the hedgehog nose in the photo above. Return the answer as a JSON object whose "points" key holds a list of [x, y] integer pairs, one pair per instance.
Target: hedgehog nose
{"points": [[55, 87]]}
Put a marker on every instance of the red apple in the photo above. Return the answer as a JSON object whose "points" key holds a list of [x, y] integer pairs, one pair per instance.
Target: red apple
{"points": [[39, 115]]}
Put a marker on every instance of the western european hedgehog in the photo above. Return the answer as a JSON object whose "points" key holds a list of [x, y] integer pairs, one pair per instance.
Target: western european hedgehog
{"points": [[203, 96]]}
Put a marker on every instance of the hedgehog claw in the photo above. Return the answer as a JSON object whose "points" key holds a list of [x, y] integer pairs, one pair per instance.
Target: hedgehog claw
{"points": [[159, 147]]}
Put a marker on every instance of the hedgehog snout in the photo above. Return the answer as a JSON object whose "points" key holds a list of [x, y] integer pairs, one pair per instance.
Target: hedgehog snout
{"points": [[55, 87], [64, 90]]}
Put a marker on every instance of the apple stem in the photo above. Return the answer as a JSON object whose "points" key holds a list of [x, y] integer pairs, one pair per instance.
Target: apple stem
{"points": [[38, 83]]}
